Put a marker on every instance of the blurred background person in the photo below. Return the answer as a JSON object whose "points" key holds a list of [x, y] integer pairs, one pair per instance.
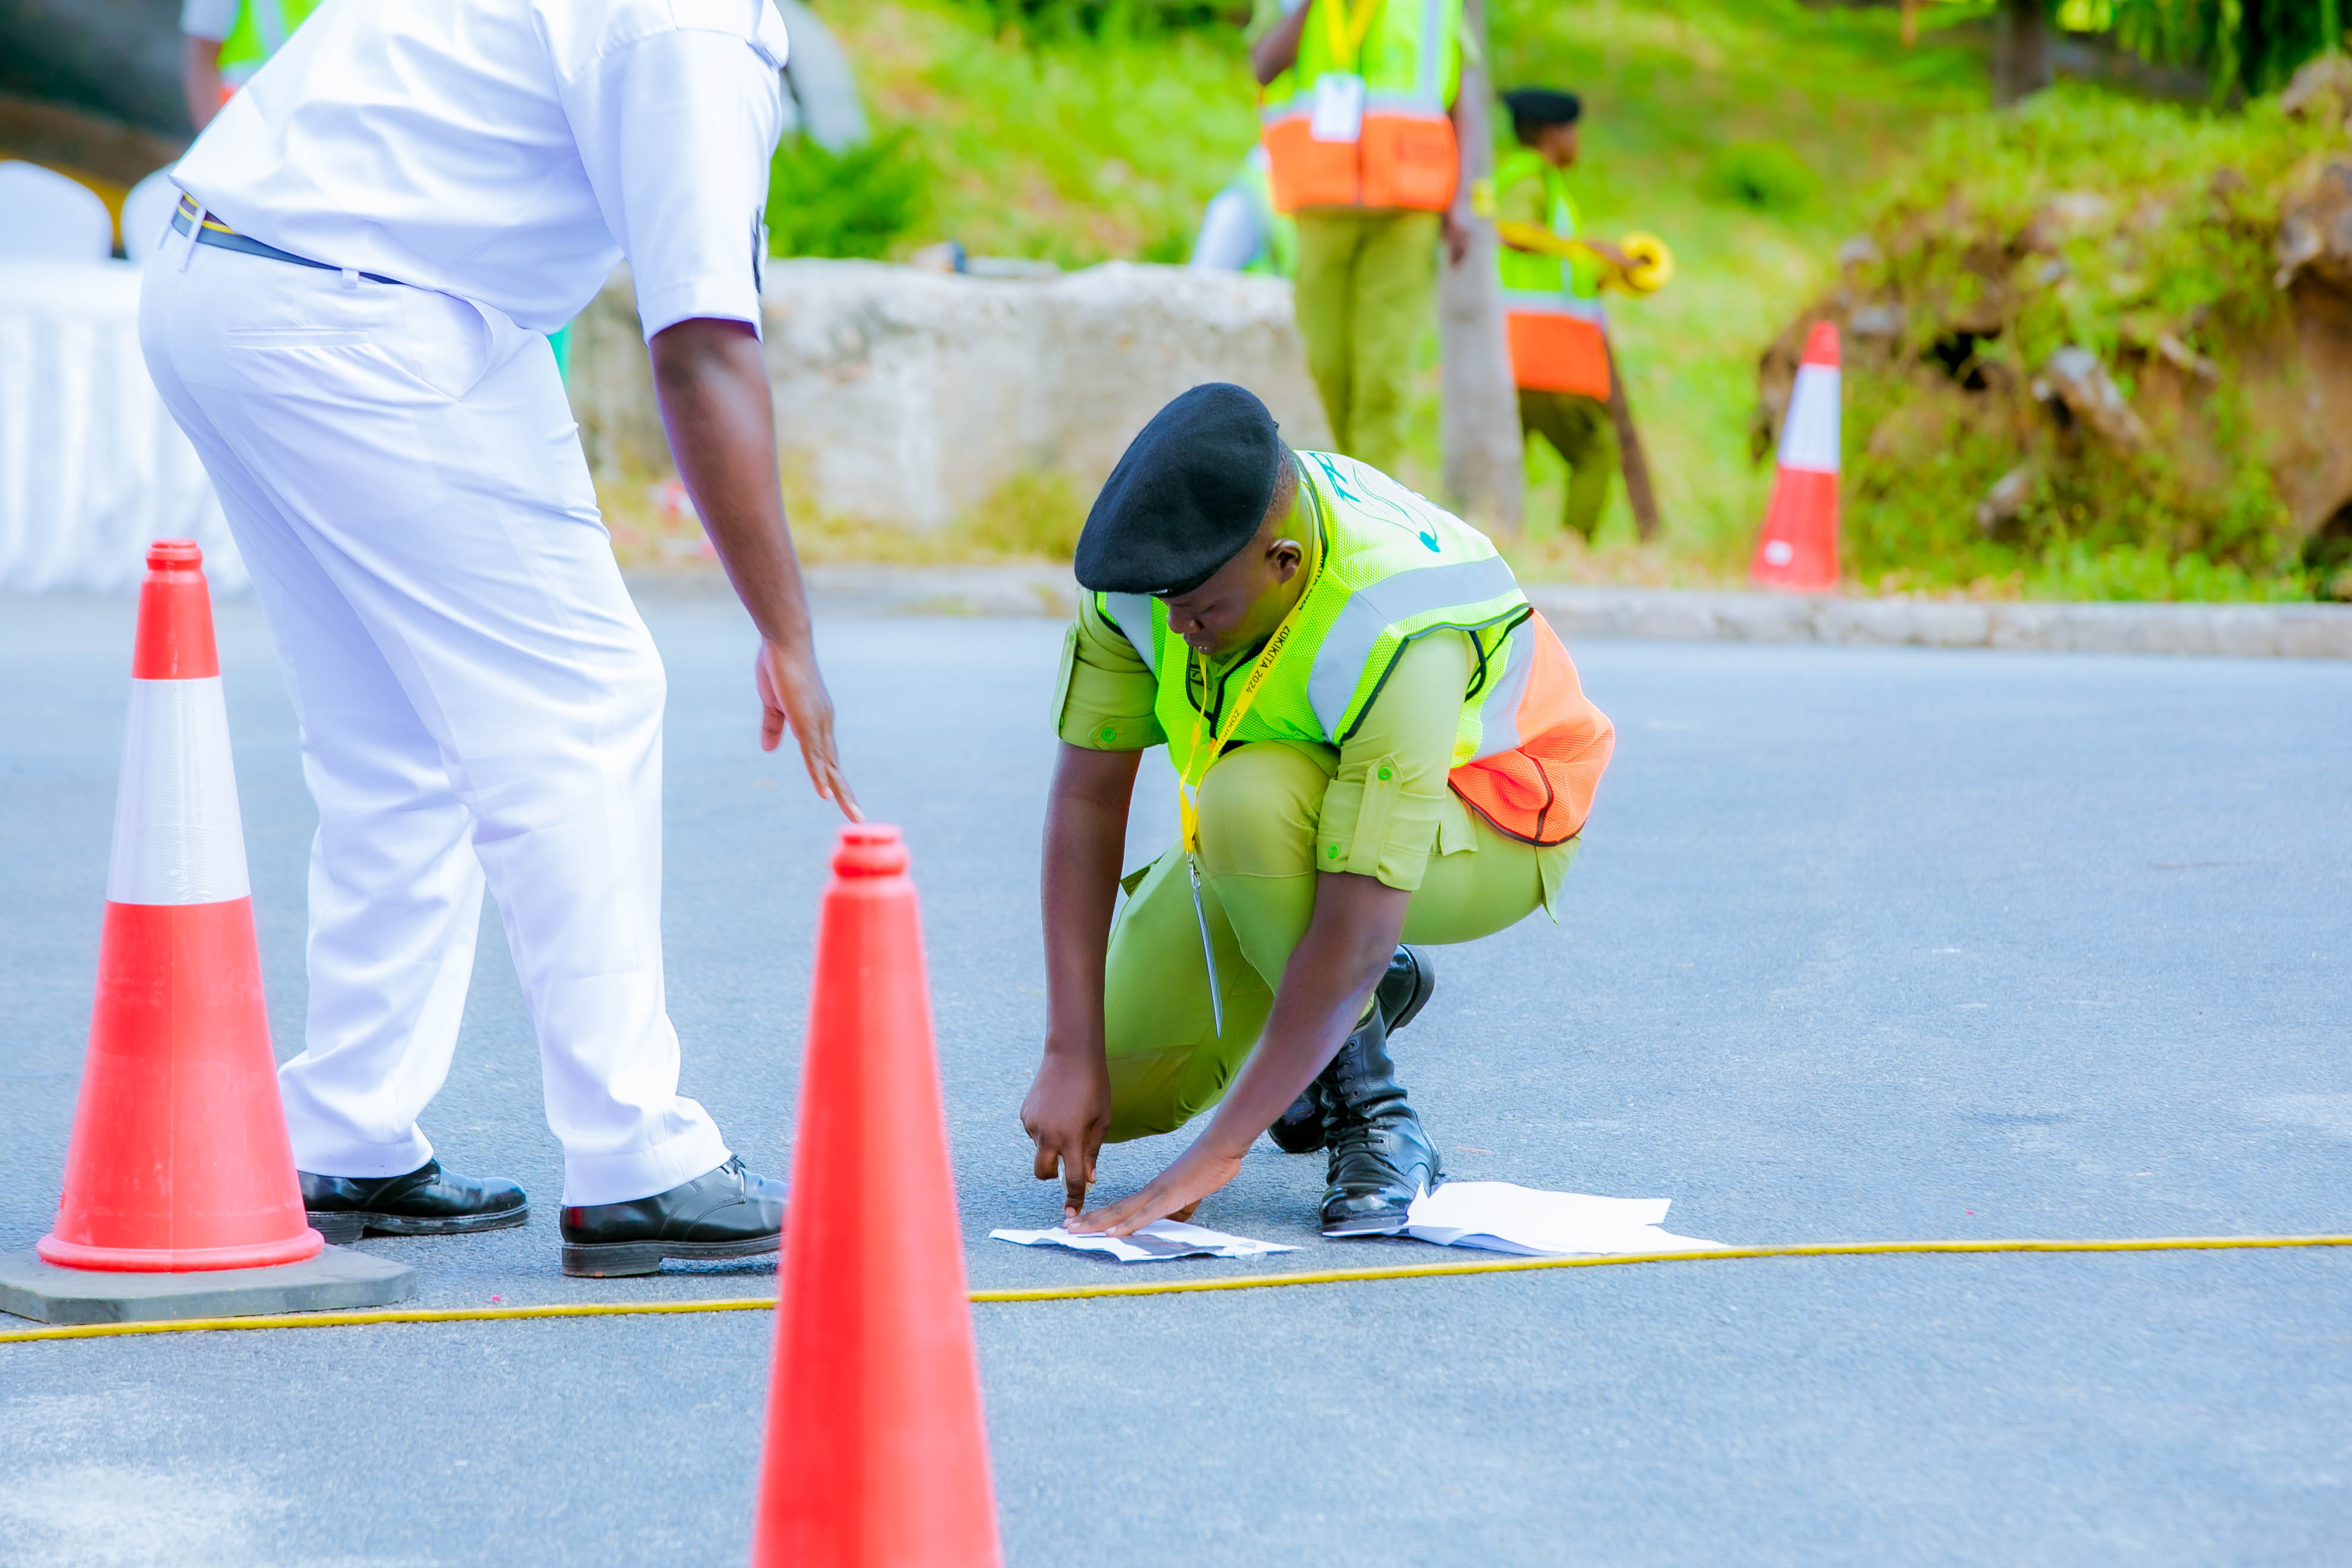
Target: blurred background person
{"points": [[1241, 231], [1356, 111], [1551, 301], [223, 42]]}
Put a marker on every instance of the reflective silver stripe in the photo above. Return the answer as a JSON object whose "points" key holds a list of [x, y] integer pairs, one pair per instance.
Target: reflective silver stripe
{"points": [[1339, 662], [178, 838], [1533, 302], [1498, 714], [1131, 613], [271, 21], [1303, 106], [1433, 24]]}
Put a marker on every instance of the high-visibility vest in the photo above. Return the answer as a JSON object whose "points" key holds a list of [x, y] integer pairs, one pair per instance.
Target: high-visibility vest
{"points": [[1551, 304], [1407, 56], [1277, 231], [261, 30], [1528, 748]]}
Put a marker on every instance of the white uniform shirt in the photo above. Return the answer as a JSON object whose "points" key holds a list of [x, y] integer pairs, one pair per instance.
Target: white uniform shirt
{"points": [[511, 151]]}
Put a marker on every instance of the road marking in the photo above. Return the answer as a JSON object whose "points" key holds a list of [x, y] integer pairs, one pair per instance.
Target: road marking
{"points": [[1179, 1286]]}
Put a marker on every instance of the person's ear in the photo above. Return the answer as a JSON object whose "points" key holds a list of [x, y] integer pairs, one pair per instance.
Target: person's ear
{"points": [[1285, 556]]}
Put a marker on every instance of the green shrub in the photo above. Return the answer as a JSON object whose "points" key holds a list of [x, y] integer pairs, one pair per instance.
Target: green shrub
{"points": [[852, 203], [1762, 176], [2138, 232]]}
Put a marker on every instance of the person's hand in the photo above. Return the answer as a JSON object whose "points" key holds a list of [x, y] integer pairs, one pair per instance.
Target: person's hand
{"points": [[1456, 227], [793, 695], [1067, 1112], [1611, 255], [1174, 1194]]}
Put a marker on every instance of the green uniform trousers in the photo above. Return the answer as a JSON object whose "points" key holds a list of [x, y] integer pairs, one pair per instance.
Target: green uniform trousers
{"points": [[1366, 291], [1580, 431], [1259, 809]]}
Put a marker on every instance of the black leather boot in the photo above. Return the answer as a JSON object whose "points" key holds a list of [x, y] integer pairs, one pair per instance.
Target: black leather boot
{"points": [[427, 1201], [729, 1213], [1380, 1158], [1400, 995]]}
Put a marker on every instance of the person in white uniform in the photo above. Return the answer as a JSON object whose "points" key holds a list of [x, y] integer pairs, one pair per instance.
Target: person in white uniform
{"points": [[348, 319]]}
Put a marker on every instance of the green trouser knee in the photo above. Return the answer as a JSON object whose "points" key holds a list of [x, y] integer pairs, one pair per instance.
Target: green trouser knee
{"points": [[1366, 291], [1580, 431], [1259, 809]]}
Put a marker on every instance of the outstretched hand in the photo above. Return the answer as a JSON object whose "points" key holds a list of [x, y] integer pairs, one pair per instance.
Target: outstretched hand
{"points": [[1174, 1193], [1066, 1113], [792, 696]]}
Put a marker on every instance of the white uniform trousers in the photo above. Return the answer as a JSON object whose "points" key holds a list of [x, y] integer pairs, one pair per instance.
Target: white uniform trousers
{"points": [[477, 698]]}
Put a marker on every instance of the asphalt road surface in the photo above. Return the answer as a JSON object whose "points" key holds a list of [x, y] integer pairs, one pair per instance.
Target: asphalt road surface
{"points": [[1862, 945]]}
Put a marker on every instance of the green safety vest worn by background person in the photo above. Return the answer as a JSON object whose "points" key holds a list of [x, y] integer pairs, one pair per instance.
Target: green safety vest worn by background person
{"points": [[260, 31], [1360, 119], [1528, 748], [1551, 304]]}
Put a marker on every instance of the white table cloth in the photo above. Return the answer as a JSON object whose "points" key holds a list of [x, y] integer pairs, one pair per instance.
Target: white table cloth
{"points": [[91, 465]]}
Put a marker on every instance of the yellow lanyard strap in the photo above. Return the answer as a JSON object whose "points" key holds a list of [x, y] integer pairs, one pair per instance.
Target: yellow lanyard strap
{"points": [[1345, 30], [1188, 780]]}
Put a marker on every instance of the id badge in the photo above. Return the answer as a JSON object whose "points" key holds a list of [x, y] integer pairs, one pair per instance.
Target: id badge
{"points": [[1338, 108]]}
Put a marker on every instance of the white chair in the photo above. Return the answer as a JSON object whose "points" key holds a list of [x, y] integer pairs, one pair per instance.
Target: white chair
{"points": [[43, 216], [145, 211]]}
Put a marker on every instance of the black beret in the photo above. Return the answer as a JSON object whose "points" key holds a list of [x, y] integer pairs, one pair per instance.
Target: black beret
{"points": [[1542, 106], [1191, 491]]}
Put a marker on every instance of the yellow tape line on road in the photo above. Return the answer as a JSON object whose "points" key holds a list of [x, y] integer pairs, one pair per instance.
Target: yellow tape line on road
{"points": [[1179, 1286]]}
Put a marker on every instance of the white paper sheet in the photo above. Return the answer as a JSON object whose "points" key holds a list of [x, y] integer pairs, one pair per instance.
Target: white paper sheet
{"points": [[1503, 1217], [1155, 1243]]}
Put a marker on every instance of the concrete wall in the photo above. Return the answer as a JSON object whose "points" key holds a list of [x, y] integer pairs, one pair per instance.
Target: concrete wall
{"points": [[907, 398]]}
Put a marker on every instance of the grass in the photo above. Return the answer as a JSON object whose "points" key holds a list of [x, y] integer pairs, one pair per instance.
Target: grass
{"points": [[1686, 107]]}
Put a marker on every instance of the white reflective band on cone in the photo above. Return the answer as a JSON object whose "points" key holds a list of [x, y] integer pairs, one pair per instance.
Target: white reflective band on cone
{"points": [[177, 835], [1809, 439]]}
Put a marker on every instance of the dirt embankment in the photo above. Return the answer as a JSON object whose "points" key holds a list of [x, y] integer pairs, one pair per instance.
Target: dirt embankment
{"points": [[2049, 347]]}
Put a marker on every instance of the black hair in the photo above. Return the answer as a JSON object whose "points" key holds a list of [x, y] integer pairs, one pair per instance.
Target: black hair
{"points": [[1533, 108]]}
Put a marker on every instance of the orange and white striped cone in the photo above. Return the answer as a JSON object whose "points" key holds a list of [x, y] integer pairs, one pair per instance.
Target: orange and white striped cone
{"points": [[179, 1159], [1798, 550]]}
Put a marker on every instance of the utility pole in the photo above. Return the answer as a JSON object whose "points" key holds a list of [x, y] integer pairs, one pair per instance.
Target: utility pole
{"points": [[1486, 477], [2021, 51]]}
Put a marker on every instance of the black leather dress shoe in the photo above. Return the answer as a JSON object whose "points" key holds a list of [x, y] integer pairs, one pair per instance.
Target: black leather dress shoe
{"points": [[427, 1201], [729, 1213], [1400, 995], [1380, 1158]]}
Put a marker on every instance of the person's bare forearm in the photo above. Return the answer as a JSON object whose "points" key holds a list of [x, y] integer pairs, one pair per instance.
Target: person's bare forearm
{"points": [[200, 78], [1330, 974], [1277, 51], [713, 388], [1086, 838]]}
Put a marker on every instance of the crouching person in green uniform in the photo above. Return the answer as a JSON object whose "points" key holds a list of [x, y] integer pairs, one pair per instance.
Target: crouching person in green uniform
{"points": [[1379, 743]]}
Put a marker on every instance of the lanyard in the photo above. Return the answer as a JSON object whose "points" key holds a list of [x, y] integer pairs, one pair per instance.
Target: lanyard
{"points": [[1188, 781], [1345, 31], [1204, 756]]}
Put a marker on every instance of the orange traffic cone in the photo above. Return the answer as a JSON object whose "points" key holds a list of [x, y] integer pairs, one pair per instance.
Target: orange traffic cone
{"points": [[1799, 551], [877, 1453], [179, 1159]]}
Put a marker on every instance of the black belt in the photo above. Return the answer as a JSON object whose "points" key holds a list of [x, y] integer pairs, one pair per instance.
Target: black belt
{"points": [[216, 233]]}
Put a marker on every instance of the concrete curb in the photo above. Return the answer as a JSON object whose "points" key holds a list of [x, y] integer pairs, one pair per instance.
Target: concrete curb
{"points": [[2252, 631]]}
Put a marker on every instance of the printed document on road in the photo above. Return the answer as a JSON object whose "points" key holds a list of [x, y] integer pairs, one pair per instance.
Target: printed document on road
{"points": [[1503, 1217], [1155, 1243]]}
